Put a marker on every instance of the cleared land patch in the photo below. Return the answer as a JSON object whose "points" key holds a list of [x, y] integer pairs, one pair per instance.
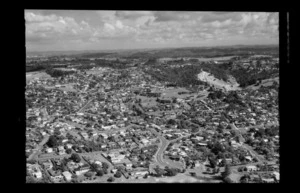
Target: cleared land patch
{"points": [[210, 79]]}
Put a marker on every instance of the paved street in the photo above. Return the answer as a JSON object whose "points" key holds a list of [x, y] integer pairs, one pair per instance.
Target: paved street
{"points": [[38, 148], [84, 106]]}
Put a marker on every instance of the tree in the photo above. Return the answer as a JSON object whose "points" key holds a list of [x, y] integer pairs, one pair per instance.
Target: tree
{"points": [[171, 122], [218, 147], [75, 157], [31, 161], [111, 179], [105, 165], [195, 129], [216, 170], [245, 178], [159, 171], [52, 142], [88, 174], [118, 174], [94, 166], [171, 171], [99, 172], [57, 133], [213, 162], [105, 171], [30, 179], [227, 171], [227, 180], [68, 151]]}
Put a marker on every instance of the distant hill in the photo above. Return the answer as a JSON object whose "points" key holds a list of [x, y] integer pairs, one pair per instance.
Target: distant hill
{"points": [[167, 52]]}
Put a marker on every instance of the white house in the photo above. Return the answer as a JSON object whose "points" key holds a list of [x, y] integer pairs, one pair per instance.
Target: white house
{"points": [[105, 136], [57, 178], [69, 146], [251, 168], [79, 172], [145, 141], [248, 158], [98, 163], [276, 175], [37, 174], [67, 175], [202, 144]]}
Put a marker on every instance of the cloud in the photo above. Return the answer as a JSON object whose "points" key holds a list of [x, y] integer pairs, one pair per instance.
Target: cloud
{"points": [[147, 27], [163, 16], [219, 16], [31, 17], [55, 28], [132, 14]]}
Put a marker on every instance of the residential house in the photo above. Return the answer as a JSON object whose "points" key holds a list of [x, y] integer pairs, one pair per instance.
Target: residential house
{"points": [[276, 176], [67, 175], [201, 144], [81, 171], [61, 150], [145, 141], [251, 168], [267, 180], [140, 174], [69, 146], [98, 163], [57, 178], [105, 136], [48, 165]]}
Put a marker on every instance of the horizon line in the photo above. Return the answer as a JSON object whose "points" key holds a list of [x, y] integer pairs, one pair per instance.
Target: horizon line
{"points": [[124, 49]]}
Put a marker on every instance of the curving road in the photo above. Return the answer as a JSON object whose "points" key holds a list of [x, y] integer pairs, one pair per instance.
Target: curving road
{"points": [[159, 154], [163, 145]]}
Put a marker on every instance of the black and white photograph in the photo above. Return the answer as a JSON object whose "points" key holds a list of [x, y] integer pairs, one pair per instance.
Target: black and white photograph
{"points": [[152, 96]]}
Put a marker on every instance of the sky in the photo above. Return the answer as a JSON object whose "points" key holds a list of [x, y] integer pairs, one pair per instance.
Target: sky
{"points": [[64, 30]]}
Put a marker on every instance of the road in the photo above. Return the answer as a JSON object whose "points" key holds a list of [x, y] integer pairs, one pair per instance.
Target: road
{"points": [[38, 148], [159, 154], [163, 145], [67, 155], [205, 104], [46, 137], [79, 111], [249, 148]]}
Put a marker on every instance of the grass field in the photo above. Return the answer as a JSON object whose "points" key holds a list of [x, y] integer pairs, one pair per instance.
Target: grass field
{"points": [[179, 178], [32, 75]]}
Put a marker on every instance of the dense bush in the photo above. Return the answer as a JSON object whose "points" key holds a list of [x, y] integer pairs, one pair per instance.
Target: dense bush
{"points": [[35, 68], [53, 141], [57, 73], [118, 174], [249, 77], [75, 157], [111, 179]]}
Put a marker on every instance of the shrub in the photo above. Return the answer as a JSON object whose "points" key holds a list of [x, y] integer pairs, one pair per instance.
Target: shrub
{"points": [[111, 179], [118, 174]]}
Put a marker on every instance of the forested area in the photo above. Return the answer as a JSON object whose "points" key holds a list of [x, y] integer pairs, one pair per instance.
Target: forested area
{"points": [[185, 75], [57, 73], [245, 77]]}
